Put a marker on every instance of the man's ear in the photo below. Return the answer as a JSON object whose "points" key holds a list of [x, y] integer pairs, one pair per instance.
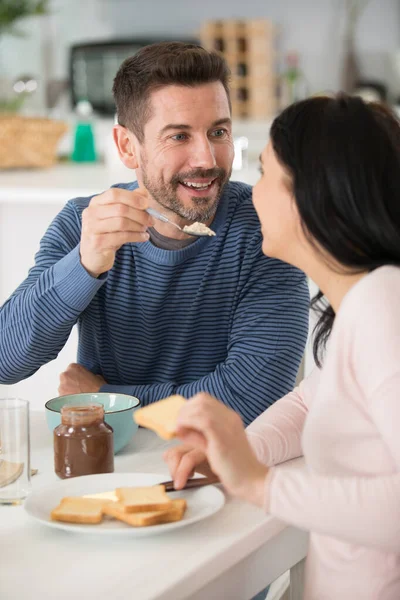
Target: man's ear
{"points": [[125, 142]]}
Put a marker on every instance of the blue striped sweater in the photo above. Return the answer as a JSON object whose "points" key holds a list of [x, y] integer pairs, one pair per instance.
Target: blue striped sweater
{"points": [[216, 316]]}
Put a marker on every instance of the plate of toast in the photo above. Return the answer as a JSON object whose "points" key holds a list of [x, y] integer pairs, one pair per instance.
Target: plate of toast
{"points": [[133, 504]]}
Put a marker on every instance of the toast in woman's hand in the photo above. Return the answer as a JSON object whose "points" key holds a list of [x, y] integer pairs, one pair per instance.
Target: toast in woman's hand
{"points": [[79, 510], [144, 519], [161, 416], [143, 499]]}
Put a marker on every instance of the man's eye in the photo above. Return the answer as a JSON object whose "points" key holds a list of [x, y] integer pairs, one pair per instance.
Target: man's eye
{"points": [[219, 132], [261, 170], [179, 137]]}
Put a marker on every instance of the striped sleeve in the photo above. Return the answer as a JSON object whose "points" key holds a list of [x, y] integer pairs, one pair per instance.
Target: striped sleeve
{"points": [[37, 319]]}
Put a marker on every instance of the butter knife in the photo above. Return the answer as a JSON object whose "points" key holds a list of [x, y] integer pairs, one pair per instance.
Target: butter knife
{"points": [[191, 483]]}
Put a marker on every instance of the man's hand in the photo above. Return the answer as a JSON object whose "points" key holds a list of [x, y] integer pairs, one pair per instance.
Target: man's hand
{"points": [[112, 219], [76, 380]]}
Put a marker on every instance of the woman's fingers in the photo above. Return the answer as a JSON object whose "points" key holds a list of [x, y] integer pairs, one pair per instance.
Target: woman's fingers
{"points": [[182, 462], [207, 416], [187, 467], [193, 439], [209, 426], [173, 456]]}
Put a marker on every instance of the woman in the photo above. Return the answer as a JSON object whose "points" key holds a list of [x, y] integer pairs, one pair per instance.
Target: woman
{"points": [[329, 203]]}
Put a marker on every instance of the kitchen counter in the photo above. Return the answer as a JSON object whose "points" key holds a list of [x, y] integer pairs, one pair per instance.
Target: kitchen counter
{"points": [[57, 184]]}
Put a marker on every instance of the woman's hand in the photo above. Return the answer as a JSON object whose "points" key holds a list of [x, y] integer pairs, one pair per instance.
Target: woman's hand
{"points": [[208, 426], [183, 462]]}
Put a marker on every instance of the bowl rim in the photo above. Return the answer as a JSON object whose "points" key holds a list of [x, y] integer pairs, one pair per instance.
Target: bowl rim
{"points": [[98, 394]]}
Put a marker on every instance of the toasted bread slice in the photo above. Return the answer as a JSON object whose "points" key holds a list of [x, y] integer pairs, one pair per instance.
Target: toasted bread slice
{"points": [[144, 519], [79, 510], [161, 416], [143, 499]]}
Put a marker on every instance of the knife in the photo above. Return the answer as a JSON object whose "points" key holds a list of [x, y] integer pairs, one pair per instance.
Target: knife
{"points": [[191, 483], [195, 482]]}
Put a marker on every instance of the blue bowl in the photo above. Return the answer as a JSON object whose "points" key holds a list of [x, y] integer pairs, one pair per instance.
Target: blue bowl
{"points": [[118, 413]]}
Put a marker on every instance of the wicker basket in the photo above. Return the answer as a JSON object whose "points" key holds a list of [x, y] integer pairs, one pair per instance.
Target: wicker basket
{"points": [[29, 142]]}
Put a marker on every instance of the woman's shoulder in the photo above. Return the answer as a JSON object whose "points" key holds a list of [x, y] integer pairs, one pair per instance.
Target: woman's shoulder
{"points": [[378, 291], [370, 326]]}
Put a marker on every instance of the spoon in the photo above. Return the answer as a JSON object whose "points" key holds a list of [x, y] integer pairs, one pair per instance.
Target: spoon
{"points": [[196, 229]]}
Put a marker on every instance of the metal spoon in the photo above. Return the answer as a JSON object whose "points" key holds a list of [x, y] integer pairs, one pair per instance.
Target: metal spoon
{"points": [[185, 229]]}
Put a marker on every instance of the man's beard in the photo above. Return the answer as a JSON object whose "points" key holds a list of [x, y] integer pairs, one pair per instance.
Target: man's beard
{"points": [[203, 208]]}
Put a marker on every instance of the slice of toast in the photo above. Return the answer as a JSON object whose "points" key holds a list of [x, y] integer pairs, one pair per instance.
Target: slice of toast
{"points": [[143, 499], [161, 416], [79, 510], [144, 519]]}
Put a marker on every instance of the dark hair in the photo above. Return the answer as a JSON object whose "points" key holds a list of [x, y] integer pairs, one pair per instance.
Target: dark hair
{"points": [[158, 65], [343, 158]]}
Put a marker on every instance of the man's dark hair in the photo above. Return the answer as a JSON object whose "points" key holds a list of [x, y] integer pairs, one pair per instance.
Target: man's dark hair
{"points": [[159, 65]]}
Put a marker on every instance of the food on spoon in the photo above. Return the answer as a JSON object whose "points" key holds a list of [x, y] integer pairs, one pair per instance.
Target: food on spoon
{"points": [[198, 227], [145, 519], [161, 416]]}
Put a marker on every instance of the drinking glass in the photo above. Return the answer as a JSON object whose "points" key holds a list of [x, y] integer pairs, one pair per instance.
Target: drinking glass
{"points": [[15, 468]]}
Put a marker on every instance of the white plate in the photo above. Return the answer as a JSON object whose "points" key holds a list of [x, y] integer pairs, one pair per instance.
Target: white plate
{"points": [[201, 502]]}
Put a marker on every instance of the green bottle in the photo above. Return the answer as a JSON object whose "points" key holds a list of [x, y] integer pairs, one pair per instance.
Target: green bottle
{"points": [[84, 148]]}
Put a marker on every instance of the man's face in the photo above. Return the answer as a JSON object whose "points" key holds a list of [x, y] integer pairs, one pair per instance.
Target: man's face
{"points": [[187, 153]]}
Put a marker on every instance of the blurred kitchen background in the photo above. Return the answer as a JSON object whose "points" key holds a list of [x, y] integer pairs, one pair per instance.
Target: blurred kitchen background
{"points": [[57, 62], [278, 52]]}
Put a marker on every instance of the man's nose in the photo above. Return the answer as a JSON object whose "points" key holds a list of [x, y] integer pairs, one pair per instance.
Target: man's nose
{"points": [[202, 154]]}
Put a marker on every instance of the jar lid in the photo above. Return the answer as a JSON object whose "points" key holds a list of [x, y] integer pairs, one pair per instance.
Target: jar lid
{"points": [[82, 414]]}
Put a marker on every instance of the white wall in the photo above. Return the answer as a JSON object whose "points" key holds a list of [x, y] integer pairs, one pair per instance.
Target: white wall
{"points": [[312, 27]]}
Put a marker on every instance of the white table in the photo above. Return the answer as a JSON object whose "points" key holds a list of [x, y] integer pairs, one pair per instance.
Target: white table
{"points": [[229, 556]]}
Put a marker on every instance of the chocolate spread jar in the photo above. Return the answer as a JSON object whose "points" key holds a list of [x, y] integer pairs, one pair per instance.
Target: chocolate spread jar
{"points": [[83, 443]]}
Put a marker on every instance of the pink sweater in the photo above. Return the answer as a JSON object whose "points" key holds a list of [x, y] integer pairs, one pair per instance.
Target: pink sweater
{"points": [[345, 420]]}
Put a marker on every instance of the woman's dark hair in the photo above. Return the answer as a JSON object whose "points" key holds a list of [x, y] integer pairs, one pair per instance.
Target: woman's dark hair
{"points": [[343, 158], [159, 65]]}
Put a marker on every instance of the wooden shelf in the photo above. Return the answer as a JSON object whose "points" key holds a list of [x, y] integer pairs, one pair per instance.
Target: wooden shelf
{"points": [[249, 48]]}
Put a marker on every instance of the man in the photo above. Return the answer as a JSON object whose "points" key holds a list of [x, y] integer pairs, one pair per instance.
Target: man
{"points": [[160, 312]]}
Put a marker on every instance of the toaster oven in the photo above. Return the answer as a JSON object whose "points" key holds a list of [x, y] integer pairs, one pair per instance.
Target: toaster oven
{"points": [[94, 65]]}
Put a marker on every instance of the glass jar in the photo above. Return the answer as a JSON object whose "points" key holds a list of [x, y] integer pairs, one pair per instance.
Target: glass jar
{"points": [[83, 443]]}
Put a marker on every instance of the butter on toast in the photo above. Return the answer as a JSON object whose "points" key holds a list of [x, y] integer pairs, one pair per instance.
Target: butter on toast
{"points": [[143, 499]]}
